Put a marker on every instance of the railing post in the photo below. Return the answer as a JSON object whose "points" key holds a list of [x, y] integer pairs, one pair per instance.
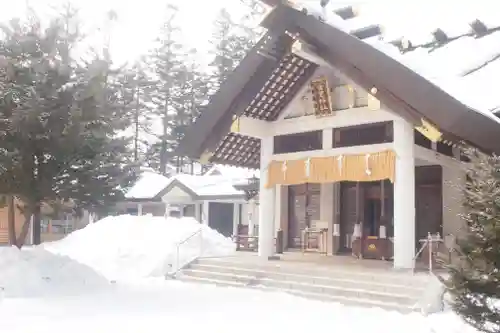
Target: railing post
{"points": [[201, 244], [429, 240], [177, 259]]}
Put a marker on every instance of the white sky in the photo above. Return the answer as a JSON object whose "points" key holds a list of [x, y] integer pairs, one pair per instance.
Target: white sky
{"points": [[138, 20]]}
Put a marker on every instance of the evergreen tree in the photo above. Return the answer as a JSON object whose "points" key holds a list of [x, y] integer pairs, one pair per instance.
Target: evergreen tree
{"points": [[59, 120], [475, 278], [233, 39], [136, 88], [190, 101], [169, 70]]}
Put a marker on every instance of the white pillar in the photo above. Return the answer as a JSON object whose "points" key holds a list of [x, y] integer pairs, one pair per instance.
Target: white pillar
{"points": [[197, 211], [404, 195], [181, 210], [204, 212], [139, 209], [251, 217], [266, 202], [326, 210], [278, 207], [236, 217]]}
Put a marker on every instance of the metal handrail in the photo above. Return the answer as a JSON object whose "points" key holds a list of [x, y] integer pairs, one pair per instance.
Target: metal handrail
{"points": [[428, 242], [178, 265]]}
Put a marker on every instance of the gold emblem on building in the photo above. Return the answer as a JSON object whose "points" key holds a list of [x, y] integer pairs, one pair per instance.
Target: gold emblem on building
{"points": [[321, 96]]}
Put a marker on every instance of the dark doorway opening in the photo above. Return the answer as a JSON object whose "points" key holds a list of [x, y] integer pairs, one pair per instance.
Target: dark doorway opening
{"points": [[220, 217]]}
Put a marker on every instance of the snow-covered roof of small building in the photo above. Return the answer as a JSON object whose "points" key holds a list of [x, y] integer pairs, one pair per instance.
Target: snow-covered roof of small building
{"points": [[233, 172], [147, 186], [209, 186]]}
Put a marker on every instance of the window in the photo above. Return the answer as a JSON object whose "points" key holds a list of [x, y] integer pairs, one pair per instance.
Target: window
{"points": [[362, 135], [132, 211], [445, 149], [422, 141], [292, 143]]}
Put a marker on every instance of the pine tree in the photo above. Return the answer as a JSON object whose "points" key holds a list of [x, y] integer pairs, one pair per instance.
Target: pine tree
{"points": [[193, 96], [135, 87], [169, 70], [233, 39], [59, 120], [475, 278]]}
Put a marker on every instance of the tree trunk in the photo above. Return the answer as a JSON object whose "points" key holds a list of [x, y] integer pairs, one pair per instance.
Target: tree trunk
{"points": [[11, 223], [37, 225], [25, 228]]}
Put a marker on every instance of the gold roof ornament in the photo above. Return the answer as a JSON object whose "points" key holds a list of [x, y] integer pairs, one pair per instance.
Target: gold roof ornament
{"points": [[373, 103], [430, 131], [235, 126], [352, 96], [205, 157]]}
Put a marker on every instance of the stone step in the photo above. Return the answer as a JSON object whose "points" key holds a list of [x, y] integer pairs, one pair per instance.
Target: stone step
{"points": [[346, 300], [316, 286], [417, 281], [334, 280]]}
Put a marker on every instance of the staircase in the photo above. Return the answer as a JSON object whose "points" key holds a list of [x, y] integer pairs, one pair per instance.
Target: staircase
{"points": [[351, 286]]}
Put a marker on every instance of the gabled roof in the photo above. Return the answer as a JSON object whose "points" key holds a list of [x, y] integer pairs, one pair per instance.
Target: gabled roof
{"points": [[204, 187], [147, 186], [394, 67]]}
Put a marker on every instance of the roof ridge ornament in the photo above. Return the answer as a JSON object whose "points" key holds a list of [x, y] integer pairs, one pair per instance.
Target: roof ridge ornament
{"points": [[430, 131]]}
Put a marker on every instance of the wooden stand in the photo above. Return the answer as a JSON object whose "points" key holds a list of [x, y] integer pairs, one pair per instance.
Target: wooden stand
{"points": [[321, 241], [246, 243]]}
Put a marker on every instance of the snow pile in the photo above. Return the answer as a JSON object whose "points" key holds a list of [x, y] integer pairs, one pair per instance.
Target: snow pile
{"points": [[36, 272], [124, 247]]}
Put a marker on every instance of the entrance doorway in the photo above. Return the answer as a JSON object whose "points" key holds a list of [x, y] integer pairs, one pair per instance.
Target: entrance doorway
{"points": [[348, 214], [303, 208], [367, 203], [220, 217]]}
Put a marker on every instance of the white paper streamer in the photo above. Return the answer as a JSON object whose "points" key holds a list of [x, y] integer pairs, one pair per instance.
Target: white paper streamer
{"points": [[339, 160], [357, 231], [367, 170], [382, 232], [284, 167], [308, 167], [336, 229]]}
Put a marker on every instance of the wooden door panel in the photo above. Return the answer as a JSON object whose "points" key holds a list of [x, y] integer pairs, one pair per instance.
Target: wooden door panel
{"points": [[428, 210], [347, 215], [297, 219]]}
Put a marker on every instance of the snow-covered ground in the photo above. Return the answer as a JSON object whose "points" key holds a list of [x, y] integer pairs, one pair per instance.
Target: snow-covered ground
{"points": [[105, 278]]}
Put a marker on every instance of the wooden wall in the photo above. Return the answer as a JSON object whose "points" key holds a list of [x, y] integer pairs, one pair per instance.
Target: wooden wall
{"points": [[4, 216]]}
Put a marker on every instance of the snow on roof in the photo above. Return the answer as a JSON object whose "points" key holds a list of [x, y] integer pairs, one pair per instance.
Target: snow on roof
{"points": [[147, 186], [465, 64], [207, 185], [233, 172]]}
